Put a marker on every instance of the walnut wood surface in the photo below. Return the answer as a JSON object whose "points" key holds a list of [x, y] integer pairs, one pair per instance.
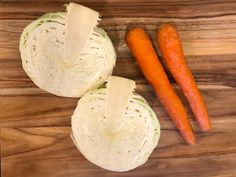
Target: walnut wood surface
{"points": [[35, 125]]}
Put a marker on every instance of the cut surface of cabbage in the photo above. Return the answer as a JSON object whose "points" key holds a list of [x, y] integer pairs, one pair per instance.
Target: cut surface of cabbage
{"points": [[42, 46], [126, 148]]}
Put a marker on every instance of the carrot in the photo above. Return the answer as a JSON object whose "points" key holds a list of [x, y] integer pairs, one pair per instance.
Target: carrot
{"points": [[142, 49], [172, 51]]}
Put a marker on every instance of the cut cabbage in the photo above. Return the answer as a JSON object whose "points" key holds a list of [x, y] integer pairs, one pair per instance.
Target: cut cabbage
{"points": [[126, 148], [79, 24], [42, 52]]}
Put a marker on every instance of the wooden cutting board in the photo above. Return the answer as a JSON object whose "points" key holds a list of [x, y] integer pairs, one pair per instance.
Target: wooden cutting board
{"points": [[35, 125]]}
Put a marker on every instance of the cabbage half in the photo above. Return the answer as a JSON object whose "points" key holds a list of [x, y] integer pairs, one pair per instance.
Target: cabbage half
{"points": [[135, 138], [42, 52]]}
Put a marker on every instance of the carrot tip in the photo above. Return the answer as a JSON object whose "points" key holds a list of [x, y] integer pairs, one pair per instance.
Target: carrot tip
{"points": [[189, 138], [205, 129], [205, 126], [166, 26]]}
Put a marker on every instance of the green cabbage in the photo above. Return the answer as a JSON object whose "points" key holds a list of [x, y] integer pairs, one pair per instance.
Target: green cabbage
{"points": [[42, 53], [130, 146]]}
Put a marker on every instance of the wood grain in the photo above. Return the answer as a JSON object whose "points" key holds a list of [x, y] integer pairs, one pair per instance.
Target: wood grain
{"points": [[35, 125], [46, 110], [50, 152], [217, 38]]}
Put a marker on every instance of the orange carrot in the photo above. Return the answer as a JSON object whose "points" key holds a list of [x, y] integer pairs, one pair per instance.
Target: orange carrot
{"points": [[172, 51], [142, 49]]}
